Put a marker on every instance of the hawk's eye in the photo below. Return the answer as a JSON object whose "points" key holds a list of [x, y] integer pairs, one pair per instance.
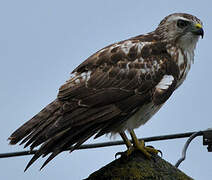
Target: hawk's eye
{"points": [[181, 23]]}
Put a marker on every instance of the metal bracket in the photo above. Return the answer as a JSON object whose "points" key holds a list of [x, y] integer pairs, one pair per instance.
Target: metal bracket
{"points": [[207, 139], [194, 135]]}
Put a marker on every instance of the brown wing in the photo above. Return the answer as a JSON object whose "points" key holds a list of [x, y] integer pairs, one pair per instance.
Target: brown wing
{"points": [[102, 93]]}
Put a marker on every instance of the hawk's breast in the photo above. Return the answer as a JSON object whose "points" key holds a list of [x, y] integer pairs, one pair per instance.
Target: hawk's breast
{"points": [[185, 59], [143, 114]]}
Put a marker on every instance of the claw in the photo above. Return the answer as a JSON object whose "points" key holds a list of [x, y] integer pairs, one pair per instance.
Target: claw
{"points": [[128, 152], [154, 151], [119, 154], [161, 153]]}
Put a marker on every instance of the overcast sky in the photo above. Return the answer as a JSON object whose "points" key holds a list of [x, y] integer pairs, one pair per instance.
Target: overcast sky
{"points": [[42, 41]]}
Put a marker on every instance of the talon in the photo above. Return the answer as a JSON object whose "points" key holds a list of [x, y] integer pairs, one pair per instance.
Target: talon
{"points": [[128, 152], [161, 154], [152, 150], [118, 154]]}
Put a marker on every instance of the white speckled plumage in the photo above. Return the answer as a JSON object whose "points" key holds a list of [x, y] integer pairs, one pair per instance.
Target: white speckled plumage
{"points": [[118, 88]]}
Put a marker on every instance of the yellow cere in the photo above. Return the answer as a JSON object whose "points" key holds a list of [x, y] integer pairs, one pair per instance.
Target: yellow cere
{"points": [[198, 25]]}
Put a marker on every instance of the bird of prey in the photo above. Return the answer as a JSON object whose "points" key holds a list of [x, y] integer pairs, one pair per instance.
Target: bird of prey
{"points": [[115, 90]]}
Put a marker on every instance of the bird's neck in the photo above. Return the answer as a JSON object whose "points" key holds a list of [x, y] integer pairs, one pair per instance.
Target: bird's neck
{"points": [[184, 58], [188, 44]]}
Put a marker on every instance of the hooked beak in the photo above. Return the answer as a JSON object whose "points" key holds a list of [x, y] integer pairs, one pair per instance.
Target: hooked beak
{"points": [[198, 30]]}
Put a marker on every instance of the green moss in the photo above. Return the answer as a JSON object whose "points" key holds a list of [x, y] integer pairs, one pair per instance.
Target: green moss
{"points": [[137, 167]]}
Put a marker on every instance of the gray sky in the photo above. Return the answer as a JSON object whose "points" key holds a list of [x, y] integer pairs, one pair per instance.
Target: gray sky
{"points": [[42, 41]]}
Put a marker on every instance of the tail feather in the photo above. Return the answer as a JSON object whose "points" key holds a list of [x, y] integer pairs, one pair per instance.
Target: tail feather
{"points": [[65, 138], [52, 156], [55, 153], [56, 130], [56, 146], [39, 136], [24, 140], [36, 121], [34, 158], [70, 121], [82, 137], [43, 149]]}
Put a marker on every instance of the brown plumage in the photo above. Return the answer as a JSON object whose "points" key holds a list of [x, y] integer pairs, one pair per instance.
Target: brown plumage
{"points": [[118, 88]]}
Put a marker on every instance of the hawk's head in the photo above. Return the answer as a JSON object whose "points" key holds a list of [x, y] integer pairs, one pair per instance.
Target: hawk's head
{"points": [[180, 28]]}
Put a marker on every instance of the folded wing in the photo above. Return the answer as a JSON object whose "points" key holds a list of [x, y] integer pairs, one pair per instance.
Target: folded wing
{"points": [[101, 94]]}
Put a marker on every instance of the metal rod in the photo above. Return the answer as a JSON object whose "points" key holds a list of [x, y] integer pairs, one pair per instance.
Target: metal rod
{"points": [[106, 144]]}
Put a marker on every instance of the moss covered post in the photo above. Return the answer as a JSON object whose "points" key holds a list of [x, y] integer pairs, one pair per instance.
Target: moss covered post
{"points": [[137, 167]]}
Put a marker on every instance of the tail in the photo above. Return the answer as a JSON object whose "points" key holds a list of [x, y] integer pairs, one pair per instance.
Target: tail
{"points": [[34, 123], [56, 130]]}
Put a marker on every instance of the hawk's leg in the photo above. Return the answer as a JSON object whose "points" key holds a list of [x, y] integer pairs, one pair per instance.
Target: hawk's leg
{"points": [[140, 145], [126, 140]]}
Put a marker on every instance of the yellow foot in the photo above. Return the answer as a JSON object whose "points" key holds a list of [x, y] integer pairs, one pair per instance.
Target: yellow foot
{"points": [[146, 150], [137, 145]]}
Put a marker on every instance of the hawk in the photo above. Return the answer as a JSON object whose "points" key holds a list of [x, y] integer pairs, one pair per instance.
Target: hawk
{"points": [[117, 89]]}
